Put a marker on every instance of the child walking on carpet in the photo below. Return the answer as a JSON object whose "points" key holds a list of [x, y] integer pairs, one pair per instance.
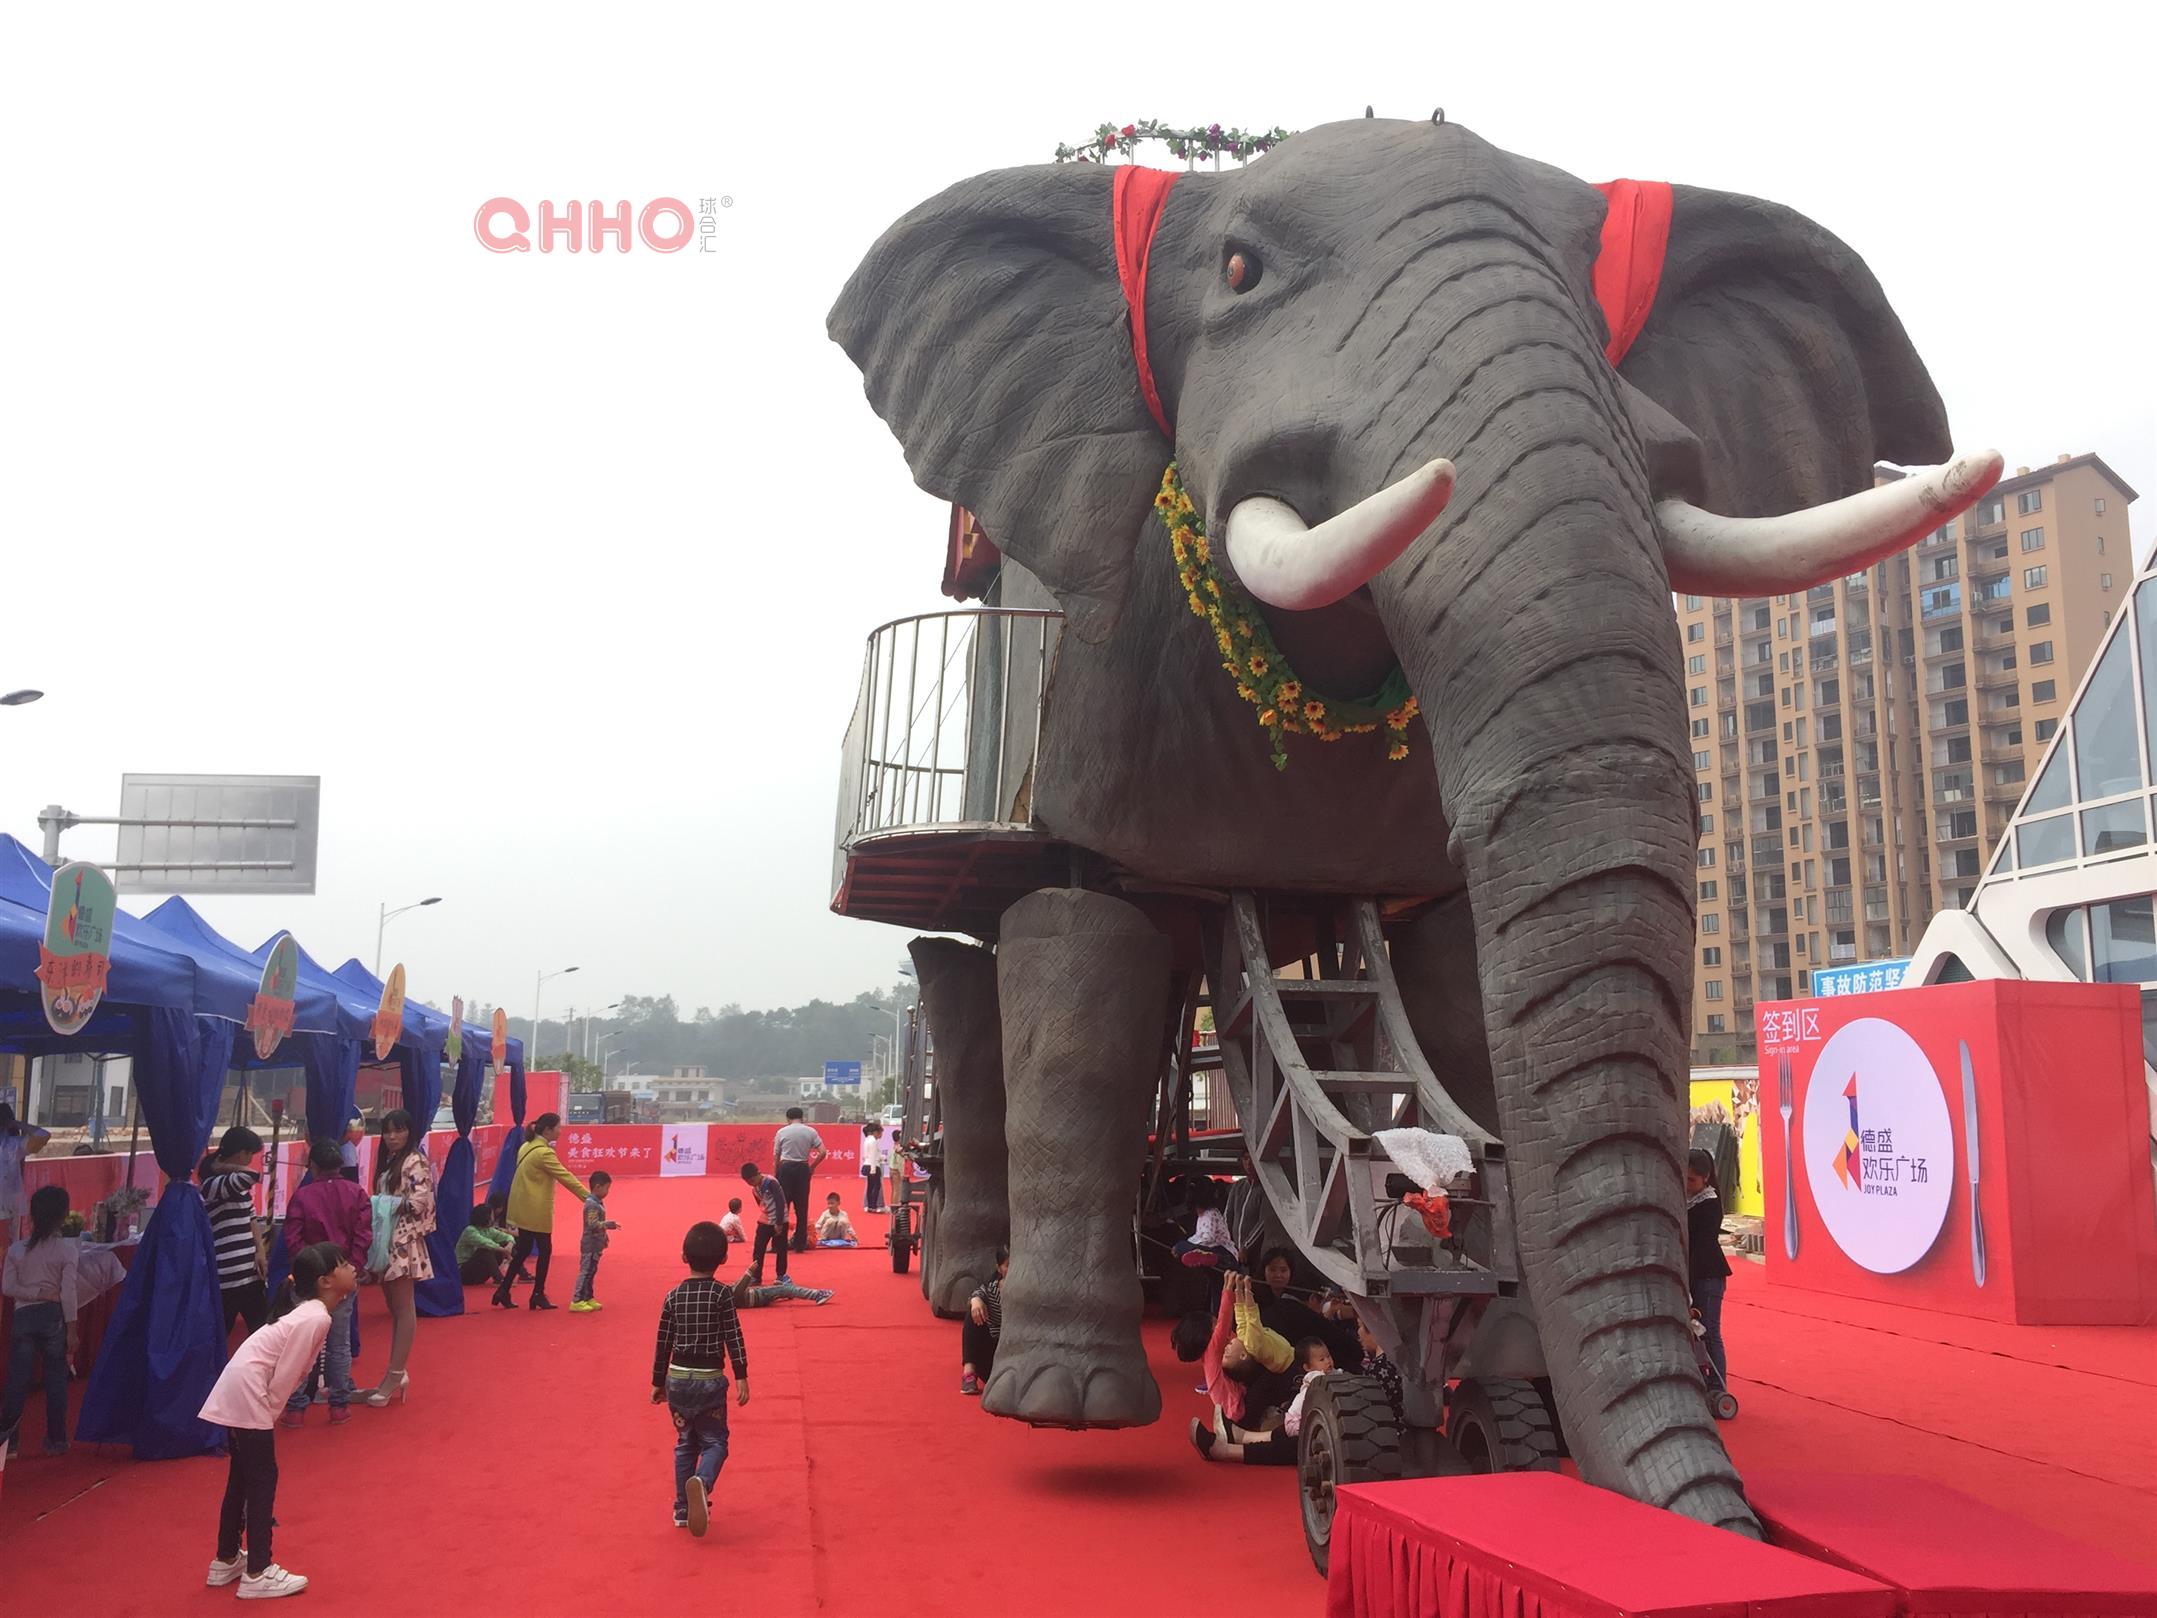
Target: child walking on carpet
{"points": [[253, 1387], [697, 1324], [594, 1244]]}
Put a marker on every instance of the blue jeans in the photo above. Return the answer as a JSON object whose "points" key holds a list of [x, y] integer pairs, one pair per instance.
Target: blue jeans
{"points": [[335, 1365], [698, 1406], [1708, 1299], [40, 1334], [587, 1274]]}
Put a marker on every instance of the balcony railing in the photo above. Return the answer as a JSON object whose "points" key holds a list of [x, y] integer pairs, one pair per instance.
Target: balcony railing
{"points": [[947, 722]]}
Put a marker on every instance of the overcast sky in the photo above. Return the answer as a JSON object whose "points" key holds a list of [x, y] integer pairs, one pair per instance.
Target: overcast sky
{"points": [[557, 568]]}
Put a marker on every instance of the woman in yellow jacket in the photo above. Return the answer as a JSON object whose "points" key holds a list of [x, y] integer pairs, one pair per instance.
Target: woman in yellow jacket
{"points": [[531, 1208]]}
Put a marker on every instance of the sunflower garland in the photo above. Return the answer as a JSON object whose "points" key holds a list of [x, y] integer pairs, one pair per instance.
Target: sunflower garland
{"points": [[1252, 659]]}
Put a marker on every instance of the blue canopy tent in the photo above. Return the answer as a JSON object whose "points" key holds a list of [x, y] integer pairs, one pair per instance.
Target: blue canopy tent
{"points": [[176, 1015]]}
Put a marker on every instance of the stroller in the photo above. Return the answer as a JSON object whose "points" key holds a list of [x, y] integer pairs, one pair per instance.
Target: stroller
{"points": [[1721, 1400]]}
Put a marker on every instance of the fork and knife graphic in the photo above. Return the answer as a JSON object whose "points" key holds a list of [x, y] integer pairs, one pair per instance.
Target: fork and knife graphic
{"points": [[1786, 1106]]}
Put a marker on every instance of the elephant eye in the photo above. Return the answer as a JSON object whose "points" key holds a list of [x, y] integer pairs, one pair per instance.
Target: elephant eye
{"points": [[1242, 271]]}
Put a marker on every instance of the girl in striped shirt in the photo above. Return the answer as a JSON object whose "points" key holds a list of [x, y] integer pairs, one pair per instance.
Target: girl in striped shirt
{"points": [[228, 1192]]}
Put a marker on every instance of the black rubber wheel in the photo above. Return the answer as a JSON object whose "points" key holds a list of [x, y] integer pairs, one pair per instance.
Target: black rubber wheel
{"points": [[1349, 1435], [1501, 1426], [1725, 1405], [901, 1240]]}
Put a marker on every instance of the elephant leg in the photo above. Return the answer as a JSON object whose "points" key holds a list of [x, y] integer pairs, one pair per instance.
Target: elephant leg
{"points": [[1083, 983], [1434, 962], [973, 1207]]}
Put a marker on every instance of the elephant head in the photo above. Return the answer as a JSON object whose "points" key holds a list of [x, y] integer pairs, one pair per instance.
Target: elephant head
{"points": [[1378, 358]]}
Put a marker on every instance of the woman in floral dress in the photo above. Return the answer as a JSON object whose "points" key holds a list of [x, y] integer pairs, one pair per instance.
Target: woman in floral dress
{"points": [[409, 1177]]}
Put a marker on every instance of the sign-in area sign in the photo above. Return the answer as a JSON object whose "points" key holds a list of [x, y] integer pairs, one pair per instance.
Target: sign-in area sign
{"points": [[837, 1074]]}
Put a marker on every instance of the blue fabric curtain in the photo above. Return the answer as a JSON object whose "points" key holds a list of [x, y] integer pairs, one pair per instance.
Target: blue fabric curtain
{"points": [[162, 1352], [444, 1295], [332, 1068], [332, 1083], [505, 1169]]}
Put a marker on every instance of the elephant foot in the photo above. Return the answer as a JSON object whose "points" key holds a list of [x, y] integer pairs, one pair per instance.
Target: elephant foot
{"points": [[1046, 1387]]}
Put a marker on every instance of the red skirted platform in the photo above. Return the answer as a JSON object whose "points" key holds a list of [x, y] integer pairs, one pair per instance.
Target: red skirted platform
{"points": [[1540, 1545], [1944, 1552]]}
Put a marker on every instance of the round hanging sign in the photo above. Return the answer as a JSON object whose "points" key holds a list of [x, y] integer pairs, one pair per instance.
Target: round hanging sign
{"points": [[389, 1015], [75, 960], [276, 1003]]}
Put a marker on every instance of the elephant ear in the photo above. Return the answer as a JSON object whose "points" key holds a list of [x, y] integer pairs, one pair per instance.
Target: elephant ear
{"points": [[1772, 342], [990, 328]]}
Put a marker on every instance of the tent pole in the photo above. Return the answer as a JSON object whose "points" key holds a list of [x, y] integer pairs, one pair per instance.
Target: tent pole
{"points": [[134, 1139]]}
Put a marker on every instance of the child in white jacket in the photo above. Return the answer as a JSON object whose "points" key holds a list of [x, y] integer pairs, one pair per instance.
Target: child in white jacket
{"points": [[1314, 1360]]}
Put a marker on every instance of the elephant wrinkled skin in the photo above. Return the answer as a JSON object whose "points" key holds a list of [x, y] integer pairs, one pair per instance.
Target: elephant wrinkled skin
{"points": [[1370, 297]]}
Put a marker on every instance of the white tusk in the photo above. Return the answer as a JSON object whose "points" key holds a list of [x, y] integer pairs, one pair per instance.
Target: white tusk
{"points": [[1289, 565], [1753, 556]]}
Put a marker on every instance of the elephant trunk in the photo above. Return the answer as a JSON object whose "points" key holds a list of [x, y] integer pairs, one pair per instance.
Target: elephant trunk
{"points": [[1536, 631]]}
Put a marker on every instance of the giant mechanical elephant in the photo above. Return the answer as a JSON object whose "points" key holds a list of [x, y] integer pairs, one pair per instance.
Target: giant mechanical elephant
{"points": [[1378, 358]]}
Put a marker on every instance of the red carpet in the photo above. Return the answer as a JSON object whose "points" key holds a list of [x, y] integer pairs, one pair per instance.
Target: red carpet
{"points": [[531, 1474]]}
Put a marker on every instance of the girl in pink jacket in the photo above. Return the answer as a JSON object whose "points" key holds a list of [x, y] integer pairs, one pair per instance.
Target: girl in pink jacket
{"points": [[252, 1389]]}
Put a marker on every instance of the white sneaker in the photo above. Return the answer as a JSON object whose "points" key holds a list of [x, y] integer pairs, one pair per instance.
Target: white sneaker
{"points": [[271, 1583], [223, 1573]]}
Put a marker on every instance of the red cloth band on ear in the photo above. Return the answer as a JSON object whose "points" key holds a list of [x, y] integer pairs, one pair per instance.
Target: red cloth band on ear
{"points": [[1636, 237], [1138, 198]]}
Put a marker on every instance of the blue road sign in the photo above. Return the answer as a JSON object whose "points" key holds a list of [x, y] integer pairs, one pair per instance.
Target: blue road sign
{"points": [[1860, 979], [839, 1073]]}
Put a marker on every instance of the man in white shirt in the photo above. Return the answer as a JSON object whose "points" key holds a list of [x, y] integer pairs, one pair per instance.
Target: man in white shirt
{"points": [[796, 1150]]}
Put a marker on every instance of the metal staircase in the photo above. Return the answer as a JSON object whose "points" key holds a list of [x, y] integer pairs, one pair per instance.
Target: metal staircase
{"points": [[1318, 1065]]}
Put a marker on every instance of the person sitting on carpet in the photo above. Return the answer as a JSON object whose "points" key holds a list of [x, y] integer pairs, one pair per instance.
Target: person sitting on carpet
{"points": [[1313, 1360], [1284, 1311], [1249, 1369], [1209, 1246], [749, 1293], [1277, 1446], [697, 1326], [730, 1221], [1705, 1266], [833, 1228], [983, 1327], [482, 1247]]}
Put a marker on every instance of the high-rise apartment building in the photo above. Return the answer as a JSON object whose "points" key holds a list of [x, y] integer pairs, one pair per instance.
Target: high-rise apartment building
{"points": [[1858, 747]]}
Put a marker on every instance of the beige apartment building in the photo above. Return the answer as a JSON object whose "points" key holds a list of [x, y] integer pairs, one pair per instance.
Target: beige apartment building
{"points": [[1859, 747]]}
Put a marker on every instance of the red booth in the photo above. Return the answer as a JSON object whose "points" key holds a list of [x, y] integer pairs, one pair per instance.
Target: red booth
{"points": [[1976, 1148]]}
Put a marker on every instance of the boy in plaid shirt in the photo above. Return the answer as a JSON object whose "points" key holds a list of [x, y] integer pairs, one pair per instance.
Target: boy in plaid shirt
{"points": [[697, 1323]]}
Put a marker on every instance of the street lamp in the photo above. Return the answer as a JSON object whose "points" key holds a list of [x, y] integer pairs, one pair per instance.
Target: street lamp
{"points": [[604, 1041], [539, 982], [382, 920], [609, 1058], [616, 1006], [16, 699], [898, 1031]]}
